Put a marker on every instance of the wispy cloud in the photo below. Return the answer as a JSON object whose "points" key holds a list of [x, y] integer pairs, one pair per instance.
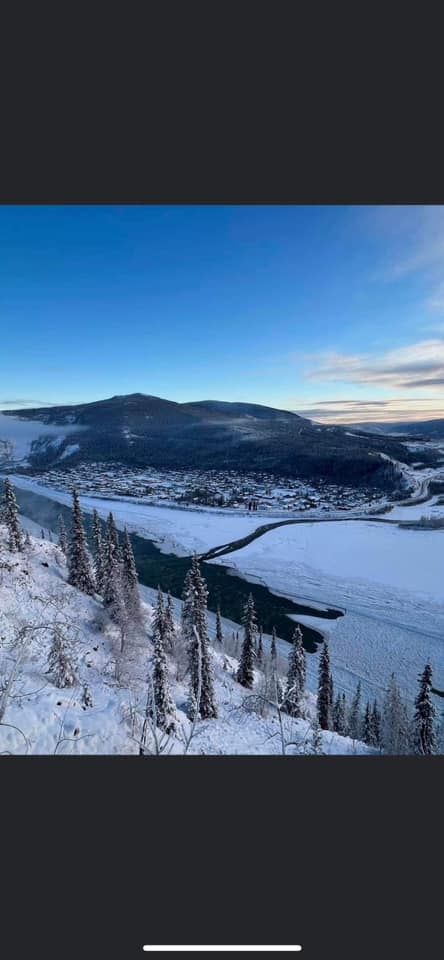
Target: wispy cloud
{"points": [[414, 245], [366, 411], [25, 402], [419, 365]]}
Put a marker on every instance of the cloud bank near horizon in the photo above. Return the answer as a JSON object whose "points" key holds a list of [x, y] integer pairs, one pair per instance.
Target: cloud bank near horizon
{"points": [[369, 411]]}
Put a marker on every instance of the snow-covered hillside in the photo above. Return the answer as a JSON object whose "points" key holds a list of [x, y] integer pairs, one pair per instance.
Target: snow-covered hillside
{"points": [[103, 713]]}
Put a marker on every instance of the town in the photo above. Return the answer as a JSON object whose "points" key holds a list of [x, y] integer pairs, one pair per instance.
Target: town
{"points": [[229, 489]]}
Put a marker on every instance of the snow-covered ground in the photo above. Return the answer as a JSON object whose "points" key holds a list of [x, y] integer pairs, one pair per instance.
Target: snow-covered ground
{"points": [[40, 718], [381, 553], [388, 582], [431, 508]]}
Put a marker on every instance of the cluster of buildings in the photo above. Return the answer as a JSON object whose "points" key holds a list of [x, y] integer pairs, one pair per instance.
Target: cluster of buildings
{"points": [[222, 489]]}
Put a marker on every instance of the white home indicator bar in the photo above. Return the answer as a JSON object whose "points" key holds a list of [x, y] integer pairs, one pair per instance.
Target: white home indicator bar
{"points": [[222, 949]]}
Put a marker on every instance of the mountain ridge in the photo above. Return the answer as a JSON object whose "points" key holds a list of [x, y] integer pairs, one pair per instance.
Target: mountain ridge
{"points": [[144, 430]]}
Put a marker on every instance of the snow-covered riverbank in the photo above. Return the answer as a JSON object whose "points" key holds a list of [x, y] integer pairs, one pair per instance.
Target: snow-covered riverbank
{"points": [[388, 580]]}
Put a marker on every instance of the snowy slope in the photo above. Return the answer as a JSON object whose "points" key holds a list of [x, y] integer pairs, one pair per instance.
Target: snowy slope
{"points": [[387, 580], [43, 719]]}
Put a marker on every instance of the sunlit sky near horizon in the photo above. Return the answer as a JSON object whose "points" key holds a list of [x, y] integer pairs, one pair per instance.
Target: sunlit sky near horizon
{"points": [[336, 312]]}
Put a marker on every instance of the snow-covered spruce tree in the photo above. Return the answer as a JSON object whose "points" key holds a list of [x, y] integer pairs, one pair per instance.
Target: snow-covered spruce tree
{"points": [[79, 569], [440, 736], [376, 725], [62, 667], [424, 740], [169, 626], [63, 539], [324, 703], [219, 631], [113, 536], [332, 694], [158, 621], [273, 647], [339, 715], [98, 553], [10, 515], [367, 730], [27, 541], [130, 581], [195, 636], [354, 719], [111, 549], [245, 673], [161, 707], [113, 592], [295, 684], [260, 649], [315, 747], [395, 726]]}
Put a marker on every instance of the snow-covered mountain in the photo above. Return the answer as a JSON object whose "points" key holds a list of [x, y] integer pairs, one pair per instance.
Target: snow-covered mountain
{"points": [[102, 713], [142, 430]]}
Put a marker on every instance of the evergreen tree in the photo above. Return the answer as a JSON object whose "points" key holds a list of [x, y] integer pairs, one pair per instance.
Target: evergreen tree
{"points": [[339, 715], [99, 553], [113, 536], [27, 539], [61, 664], [295, 685], [395, 728], [260, 649], [113, 594], [42, 534], [368, 726], [195, 635], [10, 516], [113, 585], [130, 581], [219, 631], [424, 741], [440, 737], [161, 707], [324, 704], [354, 720], [78, 559], [316, 738], [158, 621], [376, 725], [169, 627], [273, 647], [63, 540], [331, 693], [245, 673]]}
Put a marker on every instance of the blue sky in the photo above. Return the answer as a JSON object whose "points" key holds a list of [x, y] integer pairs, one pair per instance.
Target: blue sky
{"points": [[334, 311]]}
